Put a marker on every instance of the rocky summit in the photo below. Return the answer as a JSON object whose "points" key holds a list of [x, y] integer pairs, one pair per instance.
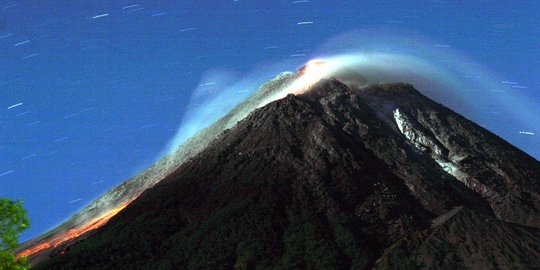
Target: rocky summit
{"points": [[375, 177]]}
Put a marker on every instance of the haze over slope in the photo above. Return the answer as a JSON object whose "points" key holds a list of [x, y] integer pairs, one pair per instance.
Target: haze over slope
{"points": [[103, 208]]}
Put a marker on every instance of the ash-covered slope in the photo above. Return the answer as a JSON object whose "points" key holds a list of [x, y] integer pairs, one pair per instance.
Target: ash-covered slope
{"points": [[507, 178], [336, 178], [104, 207]]}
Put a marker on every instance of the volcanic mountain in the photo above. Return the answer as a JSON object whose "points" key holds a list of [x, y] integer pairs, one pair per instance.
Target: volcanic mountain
{"points": [[335, 177]]}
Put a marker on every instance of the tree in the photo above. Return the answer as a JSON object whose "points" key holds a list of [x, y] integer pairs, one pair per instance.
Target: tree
{"points": [[13, 220]]}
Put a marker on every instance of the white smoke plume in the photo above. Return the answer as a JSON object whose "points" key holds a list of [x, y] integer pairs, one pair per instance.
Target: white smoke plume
{"points": [[435, 69]]}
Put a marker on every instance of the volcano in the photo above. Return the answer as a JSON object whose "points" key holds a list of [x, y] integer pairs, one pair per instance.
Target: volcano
{"points": [[339, 176]]}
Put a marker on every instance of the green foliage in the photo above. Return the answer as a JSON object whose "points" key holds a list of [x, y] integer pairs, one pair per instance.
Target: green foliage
{"points": [[13, 221], [8, 261]]}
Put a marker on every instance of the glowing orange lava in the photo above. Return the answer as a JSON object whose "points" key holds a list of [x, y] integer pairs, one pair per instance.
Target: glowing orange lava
{"points": [[311, 73], [74, 233]]}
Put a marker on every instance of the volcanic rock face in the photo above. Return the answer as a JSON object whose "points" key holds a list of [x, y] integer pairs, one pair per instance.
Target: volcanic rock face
{"points": [[336, 178], [115, 199]]}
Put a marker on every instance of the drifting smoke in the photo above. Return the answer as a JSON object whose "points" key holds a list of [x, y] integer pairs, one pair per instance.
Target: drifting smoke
{"points": [[218, 93], [444, 75], [378, 57], [357, 59]]}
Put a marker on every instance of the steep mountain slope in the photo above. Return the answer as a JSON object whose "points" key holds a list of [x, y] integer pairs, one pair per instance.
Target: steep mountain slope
{"points": [[107, 205], [336, 178], [506, 177], [466, 239]]}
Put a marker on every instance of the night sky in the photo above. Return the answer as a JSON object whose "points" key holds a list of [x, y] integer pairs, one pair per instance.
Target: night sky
{"points": [[92, 92]]}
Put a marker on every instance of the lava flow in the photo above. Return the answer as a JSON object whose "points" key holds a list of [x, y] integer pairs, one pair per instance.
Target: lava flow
{"points": [[74, 233]]}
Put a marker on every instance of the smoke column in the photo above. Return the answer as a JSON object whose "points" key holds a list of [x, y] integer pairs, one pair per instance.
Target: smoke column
{"points": [[436, 70]]}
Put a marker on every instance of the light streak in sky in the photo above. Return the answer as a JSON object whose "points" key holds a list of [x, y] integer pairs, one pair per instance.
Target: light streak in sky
{"points": [[15, 105]]}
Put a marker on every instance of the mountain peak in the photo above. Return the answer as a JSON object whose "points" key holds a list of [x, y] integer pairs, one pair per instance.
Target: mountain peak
{"points": [[326, 87], [337, 177]]}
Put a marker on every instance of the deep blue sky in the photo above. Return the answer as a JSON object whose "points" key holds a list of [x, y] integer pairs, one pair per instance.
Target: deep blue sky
{"points": [[102, 96]]}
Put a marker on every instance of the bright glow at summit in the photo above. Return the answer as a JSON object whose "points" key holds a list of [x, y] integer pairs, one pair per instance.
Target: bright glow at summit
{"points": [[449, 82], [312, 72]]}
